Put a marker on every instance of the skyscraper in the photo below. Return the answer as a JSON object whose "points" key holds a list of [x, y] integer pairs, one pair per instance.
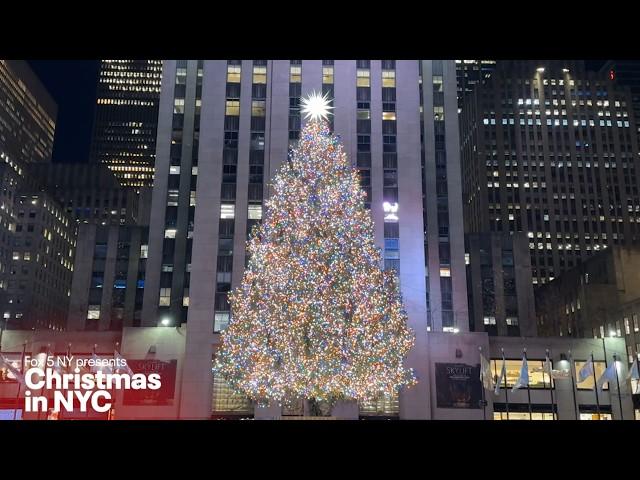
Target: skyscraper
{"points": [[27, 114], [126, 118], [469, 73], [550, 149], [225, 127]]}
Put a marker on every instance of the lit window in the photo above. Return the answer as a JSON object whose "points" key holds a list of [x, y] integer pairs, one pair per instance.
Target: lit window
{"points": [[233, 107], [382, 406], [221, 321], [16, 255], [178, 105], [172, 198], [437, 83], [233, 73], [165, 297], [255, 212], [295, 74], [390, 211], [227, 210], [226, 400], [627, 327], [388, 115], [174, 170], [489, 320], [27, 256], [538, 377], [93, 312], [445, 272], [512, 321], [587, 384], [260, 75], [144, 251], [388, 78], [438, 113], [170, 233], [327, 74], [258, 108], [192, 199], [363, 78], [364, 114]]}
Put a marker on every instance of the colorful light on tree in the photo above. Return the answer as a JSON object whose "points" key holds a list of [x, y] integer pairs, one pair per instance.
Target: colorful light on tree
{"points": [[315, 316]]}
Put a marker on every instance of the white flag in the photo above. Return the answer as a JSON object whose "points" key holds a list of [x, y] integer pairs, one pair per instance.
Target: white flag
{"points": [[121, 364], [523, 379], [14, 371], [555, 374], [586, 371], [485, 373], [634, 374], [608, 375], [503, 372]]}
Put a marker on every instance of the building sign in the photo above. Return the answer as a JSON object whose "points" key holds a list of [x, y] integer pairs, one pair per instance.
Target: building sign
{"points": [[164, 395], [458, 385]]}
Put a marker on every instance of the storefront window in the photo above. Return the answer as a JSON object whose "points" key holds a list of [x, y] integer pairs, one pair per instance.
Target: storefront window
{"points": [[587, 384], [384, 406], [594, 416], [227, 401], [523, 416], [538, 378]]}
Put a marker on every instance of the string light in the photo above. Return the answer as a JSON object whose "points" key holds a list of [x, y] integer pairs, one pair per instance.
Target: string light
{"points": [[315, 316]]}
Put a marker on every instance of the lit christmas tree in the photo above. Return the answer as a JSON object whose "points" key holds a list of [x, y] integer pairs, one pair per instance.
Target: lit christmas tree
{"points": [[316, 317]]}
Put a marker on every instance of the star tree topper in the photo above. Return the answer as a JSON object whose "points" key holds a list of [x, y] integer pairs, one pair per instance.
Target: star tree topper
{"points": [[316, 106]]}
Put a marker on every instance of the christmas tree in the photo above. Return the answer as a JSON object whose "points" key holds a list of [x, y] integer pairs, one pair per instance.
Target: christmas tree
{"points": [[316, 317]]}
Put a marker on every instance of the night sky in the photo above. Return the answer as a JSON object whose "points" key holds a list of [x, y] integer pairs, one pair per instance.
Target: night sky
{"points": [[72, 83]]}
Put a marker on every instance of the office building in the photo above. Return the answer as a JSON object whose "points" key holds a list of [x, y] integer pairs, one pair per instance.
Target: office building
{"points": [[625, 73], [233, 122], [469, 73], [37, 252], [549, 149], [108, 278], [27, 114], [91, 193], [501, 300], [124, 136], [599, 298]]}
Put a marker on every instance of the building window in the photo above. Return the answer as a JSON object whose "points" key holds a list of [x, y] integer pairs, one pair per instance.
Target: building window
{"points": [[192, 198], [260, 75], [437, 83], [255, 212], [327, 74], [512, 321], [165, 297], [233, 73], [221, 321], [232, 108], [438, 114], [383, 406], [170, 233], [522, 415], [295, 74], [587, 384], [538, 378], [388, 115], [363, 78], [627, 327], [258, 108], [93, 313], [226, 400], [388, 78], [489, 320], [227, 210]]}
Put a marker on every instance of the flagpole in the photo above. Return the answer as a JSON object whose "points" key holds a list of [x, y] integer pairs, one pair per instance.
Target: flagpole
{"points": [[46, 358], [573, 385], [595, 385], [484, 402], [524, 353], [615, 367], [553, 408], [506, 390], [24, 351]]}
